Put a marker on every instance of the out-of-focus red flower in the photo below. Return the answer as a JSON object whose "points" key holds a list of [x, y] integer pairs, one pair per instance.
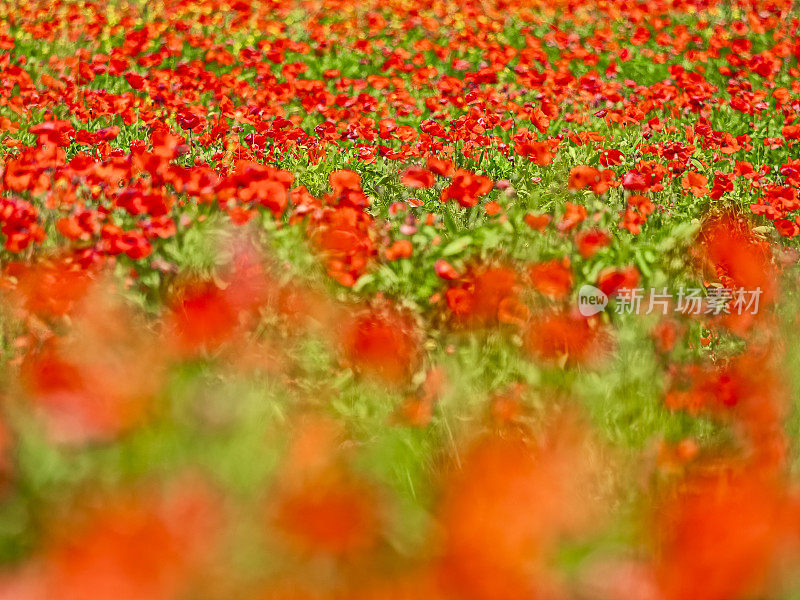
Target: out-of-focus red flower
{"points": [[512, 311], [584, 176], [506, 406], [134, 546], [417, 410], [552, 278], [492, 208], [565, 336], [738, 258], [536, 221], [665, 334], [50, 288], [445, 270], [460, 301], [330, 513], [98, 379], [613, 279], [84, 400], [590, 241], [382, 342], [676, 457], [442, 167], [417, 178], [344, 179], [399, 249], [574, 215], [506, 507], [204, 315], [320, 505], [540, 153], [719, 534], [639, 208], [747, 392], [483, 295]]}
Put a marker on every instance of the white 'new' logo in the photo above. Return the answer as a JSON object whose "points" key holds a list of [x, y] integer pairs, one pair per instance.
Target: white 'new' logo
{"points": [[591, 300]]}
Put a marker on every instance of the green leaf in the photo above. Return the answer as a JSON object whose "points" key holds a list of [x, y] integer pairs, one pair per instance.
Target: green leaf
{"points": [[642, 263], [450, 222], [363, 282], [457, 246]]}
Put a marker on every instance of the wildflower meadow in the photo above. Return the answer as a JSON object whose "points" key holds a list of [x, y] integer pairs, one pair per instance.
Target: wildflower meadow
{"points": [[399, 299]]}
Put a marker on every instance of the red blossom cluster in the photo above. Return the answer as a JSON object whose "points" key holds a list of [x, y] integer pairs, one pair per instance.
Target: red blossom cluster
{"points": [[339, 226]]}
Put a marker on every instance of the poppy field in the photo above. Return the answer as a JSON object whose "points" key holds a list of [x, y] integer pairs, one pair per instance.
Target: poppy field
{"points": [[441, 299]]}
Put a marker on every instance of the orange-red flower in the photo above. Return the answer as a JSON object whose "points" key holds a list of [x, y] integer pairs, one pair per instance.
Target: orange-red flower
{"points": [[695, 184], [330, 513], [555, 336], [417, 178], [719, 535], [506, 507], [466, 188], [552, 278], [383, 342]]}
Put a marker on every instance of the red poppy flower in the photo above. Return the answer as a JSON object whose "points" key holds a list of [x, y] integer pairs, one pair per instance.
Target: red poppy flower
{"points": [[466, 188], [329, 513], [695, 184], [552, 278], [574, 215], [417, 178], [537, 221], [582, 177], [445, 168], [555, 336], [383, 343], [505, 509], [719, 534], [399, 249], [445, 270], [613, 279], [537, 152], [590, 241]]}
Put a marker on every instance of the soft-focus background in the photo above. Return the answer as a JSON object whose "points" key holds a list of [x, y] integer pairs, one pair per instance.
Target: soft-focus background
{"points": [[290, 300]]}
